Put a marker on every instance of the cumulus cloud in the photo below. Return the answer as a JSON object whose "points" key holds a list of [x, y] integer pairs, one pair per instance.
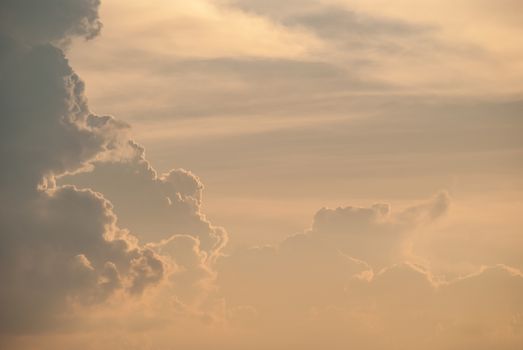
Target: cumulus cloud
{"points": [[59, 245], [153, 206], [314, 266], [47, 129], [350, 281], [62, 246]]}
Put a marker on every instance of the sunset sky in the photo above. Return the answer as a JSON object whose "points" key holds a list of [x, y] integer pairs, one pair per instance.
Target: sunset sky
{"points": [[261, 174]]}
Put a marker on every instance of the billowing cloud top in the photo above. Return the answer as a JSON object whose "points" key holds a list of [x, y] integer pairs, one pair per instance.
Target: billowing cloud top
{"points": [[62, 246], [40, 22]]}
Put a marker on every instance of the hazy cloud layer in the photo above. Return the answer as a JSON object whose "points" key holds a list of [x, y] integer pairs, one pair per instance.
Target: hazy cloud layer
{"points": [[337, 22], [348, 282], [348, 53]]}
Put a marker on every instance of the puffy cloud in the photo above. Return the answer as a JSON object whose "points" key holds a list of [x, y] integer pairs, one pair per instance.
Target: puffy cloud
{"points": [[312, 268], [47, 129], [153, 206], [373, 234], [351, 281], [62, 247], [193, 278], [59, 245]]}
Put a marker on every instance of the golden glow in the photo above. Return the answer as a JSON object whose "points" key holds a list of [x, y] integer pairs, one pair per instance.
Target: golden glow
{"points": [[301, 174]]}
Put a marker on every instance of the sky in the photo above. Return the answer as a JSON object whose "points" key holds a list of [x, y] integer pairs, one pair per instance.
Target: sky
{"points": [[260, 174]]}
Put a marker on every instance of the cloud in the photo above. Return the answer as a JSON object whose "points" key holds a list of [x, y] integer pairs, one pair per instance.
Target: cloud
{"points": [[39, 22], [337, 22], [153, 206], [372, 234], [62, 247], [309, 291], [352, 280], [409, 44], [94, 241], [49, 129], [313, 267]]}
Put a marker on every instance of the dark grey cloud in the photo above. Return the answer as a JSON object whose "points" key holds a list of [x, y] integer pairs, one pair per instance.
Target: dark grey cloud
{"points": [[48, 128], [33, 21], [61, 246]]}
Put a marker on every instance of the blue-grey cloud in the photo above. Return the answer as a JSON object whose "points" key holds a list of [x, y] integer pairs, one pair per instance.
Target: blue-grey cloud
{"points": [[33, 22], [62, 246]]}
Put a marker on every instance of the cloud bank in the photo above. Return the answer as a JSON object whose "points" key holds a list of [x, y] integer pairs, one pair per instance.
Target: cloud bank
{"points": [[61, 246]]}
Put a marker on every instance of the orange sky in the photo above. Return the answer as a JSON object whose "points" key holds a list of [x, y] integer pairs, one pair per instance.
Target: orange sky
{"points": [[302, 174]]}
